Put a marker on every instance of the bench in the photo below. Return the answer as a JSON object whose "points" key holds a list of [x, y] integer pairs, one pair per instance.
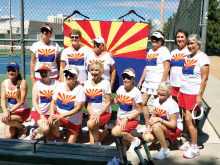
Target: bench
{"points": [[16, 150]]}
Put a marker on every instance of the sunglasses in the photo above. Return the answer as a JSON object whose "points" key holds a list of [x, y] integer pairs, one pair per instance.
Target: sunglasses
{"points": [[43, 29], [155, 38], [69, 74], [11, 70], [124, 76], [43, 71], [74, 37]]}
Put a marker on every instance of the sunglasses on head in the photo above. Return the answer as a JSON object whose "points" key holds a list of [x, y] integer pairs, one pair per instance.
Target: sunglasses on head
{"points": [[74, 37], [11, 70], [69, 74], [126, 76], [43, 29]]}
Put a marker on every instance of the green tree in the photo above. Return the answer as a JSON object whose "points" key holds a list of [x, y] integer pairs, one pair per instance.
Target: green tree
{"points": [[167, 24], [213, 29]]}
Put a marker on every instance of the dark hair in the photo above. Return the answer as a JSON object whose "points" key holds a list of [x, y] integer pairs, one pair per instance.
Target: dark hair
{"points": [[18, 92], [181, 31], [163, 40]]}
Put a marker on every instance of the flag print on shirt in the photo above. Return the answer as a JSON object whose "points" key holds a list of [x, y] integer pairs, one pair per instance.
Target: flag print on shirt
{"points": [[161, 113], [91, 61], [46, 55], [76, 59], [46, 96], [125, 102], [94, 95], [178, 59], [189, 66], [65, 102], [152, 59], [11, 97]]}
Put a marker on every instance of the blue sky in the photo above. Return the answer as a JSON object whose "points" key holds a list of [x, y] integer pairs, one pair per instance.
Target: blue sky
{"points": [[106, 10]]}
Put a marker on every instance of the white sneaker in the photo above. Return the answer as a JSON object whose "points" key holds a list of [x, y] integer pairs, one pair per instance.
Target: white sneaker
{"points": [[162, 154], [31, 135], [134, 144], [185, 146], [191, 153]]}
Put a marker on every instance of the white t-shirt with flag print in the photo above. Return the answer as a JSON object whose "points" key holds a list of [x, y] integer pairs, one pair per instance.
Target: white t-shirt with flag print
{"points": [[79, 59], [177, 61], [46, 54], [106, 60], [127, 102], [191, 70]]}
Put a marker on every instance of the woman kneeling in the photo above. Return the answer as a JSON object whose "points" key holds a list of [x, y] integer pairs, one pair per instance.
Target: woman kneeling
{"points": [[165, 121]]}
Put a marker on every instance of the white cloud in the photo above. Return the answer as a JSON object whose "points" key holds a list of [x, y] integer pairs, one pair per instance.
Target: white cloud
{"points": [[169, 6], [0, 9]]}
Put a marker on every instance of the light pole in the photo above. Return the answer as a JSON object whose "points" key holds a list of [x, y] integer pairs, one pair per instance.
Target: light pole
{"points": [[10, 18], [161, 14]]}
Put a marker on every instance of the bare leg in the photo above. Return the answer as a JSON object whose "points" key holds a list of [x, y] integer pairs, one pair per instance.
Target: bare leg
{"points": [[9, 132], [42, 128], [15, 121], [190, 123], [159, 131], [145, 109], [117, 131], [71, 137], [94, 131]]}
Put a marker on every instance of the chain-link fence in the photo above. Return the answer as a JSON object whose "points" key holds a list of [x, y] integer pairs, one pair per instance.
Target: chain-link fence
{"points": [[168, 16]]}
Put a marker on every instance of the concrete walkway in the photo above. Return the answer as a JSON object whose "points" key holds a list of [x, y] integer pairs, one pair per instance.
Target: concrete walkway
{"points": [[208, 138]]}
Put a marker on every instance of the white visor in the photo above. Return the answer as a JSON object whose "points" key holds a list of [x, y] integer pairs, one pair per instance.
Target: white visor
{"points": [[129, 72], [157, 35], [201, 113]]}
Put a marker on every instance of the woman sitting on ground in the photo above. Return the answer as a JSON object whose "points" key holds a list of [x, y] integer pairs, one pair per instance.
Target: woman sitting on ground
{"points": [[15, 90], [165, 121], [130, 102], [98, 93], [42, 93], [68, 100]]}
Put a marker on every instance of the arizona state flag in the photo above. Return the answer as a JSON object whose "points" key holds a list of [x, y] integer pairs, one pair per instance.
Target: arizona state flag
{"points": [[126, 41]]}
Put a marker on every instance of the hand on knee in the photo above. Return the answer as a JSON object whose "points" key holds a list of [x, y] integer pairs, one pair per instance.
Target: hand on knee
{"points": [[116, 131]]}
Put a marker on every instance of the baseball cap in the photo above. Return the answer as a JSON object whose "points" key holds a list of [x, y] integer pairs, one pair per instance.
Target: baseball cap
{"points": [[13, 64], [157, 35], [201, 113], [129, 72], [70, 70], [99, 40]]}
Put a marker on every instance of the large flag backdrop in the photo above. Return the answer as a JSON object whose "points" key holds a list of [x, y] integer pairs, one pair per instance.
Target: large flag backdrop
{"points": [[126, 41]]}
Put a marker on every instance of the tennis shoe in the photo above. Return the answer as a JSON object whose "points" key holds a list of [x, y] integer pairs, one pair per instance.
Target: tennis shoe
{"points": [[162, 154]]}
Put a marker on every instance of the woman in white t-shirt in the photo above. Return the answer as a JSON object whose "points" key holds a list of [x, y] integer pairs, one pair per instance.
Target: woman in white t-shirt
{"points": [[75, 54], [42, 93], [195, 76], [156, 70], [129, 99], [106, 60], [45, 51], [165, 121], [14, 90], [66, 108], [98, 96]]}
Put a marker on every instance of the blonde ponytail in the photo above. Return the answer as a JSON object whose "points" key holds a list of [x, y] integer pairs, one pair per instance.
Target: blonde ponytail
{"points": [[18, 92]]}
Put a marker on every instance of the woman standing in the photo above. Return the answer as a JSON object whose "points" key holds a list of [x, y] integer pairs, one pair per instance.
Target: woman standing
{"points": [[156, 70], [195, 76], [165, 121], [68, 100], [42, 93], [130, 102], [15, 90], [98, 93], [45, 51], [106, 60], [75, 54]]}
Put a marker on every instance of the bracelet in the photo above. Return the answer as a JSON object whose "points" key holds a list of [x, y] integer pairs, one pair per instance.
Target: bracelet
{"points": [[9, 111], [127, 119], [162, 121], [201, 93]]}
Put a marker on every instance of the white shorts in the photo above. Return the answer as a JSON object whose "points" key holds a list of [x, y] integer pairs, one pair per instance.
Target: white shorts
{"points": [[149, 91], [150, 88]]}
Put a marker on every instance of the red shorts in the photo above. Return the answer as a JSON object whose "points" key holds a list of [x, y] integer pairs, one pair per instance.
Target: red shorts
{"points": [[130, 126], [104, 118], [187, 101], [175, 91], [173, 133], [24, 114], [70, 126], [55, 78], [35, 115]]}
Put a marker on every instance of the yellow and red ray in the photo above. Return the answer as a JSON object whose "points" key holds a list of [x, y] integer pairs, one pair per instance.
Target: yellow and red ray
{"points": [[93, 92], [125, 99], [123, 39], [46, 52], [101, 61], [190, 63], [179, 56], [11, 95], [76, 56], [152, 56], [160, 112], [66, 98], [46, 93]]}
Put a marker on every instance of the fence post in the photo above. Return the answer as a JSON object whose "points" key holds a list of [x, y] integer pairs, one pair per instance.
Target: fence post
{"points": [[22, 39], [204, 23]]}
